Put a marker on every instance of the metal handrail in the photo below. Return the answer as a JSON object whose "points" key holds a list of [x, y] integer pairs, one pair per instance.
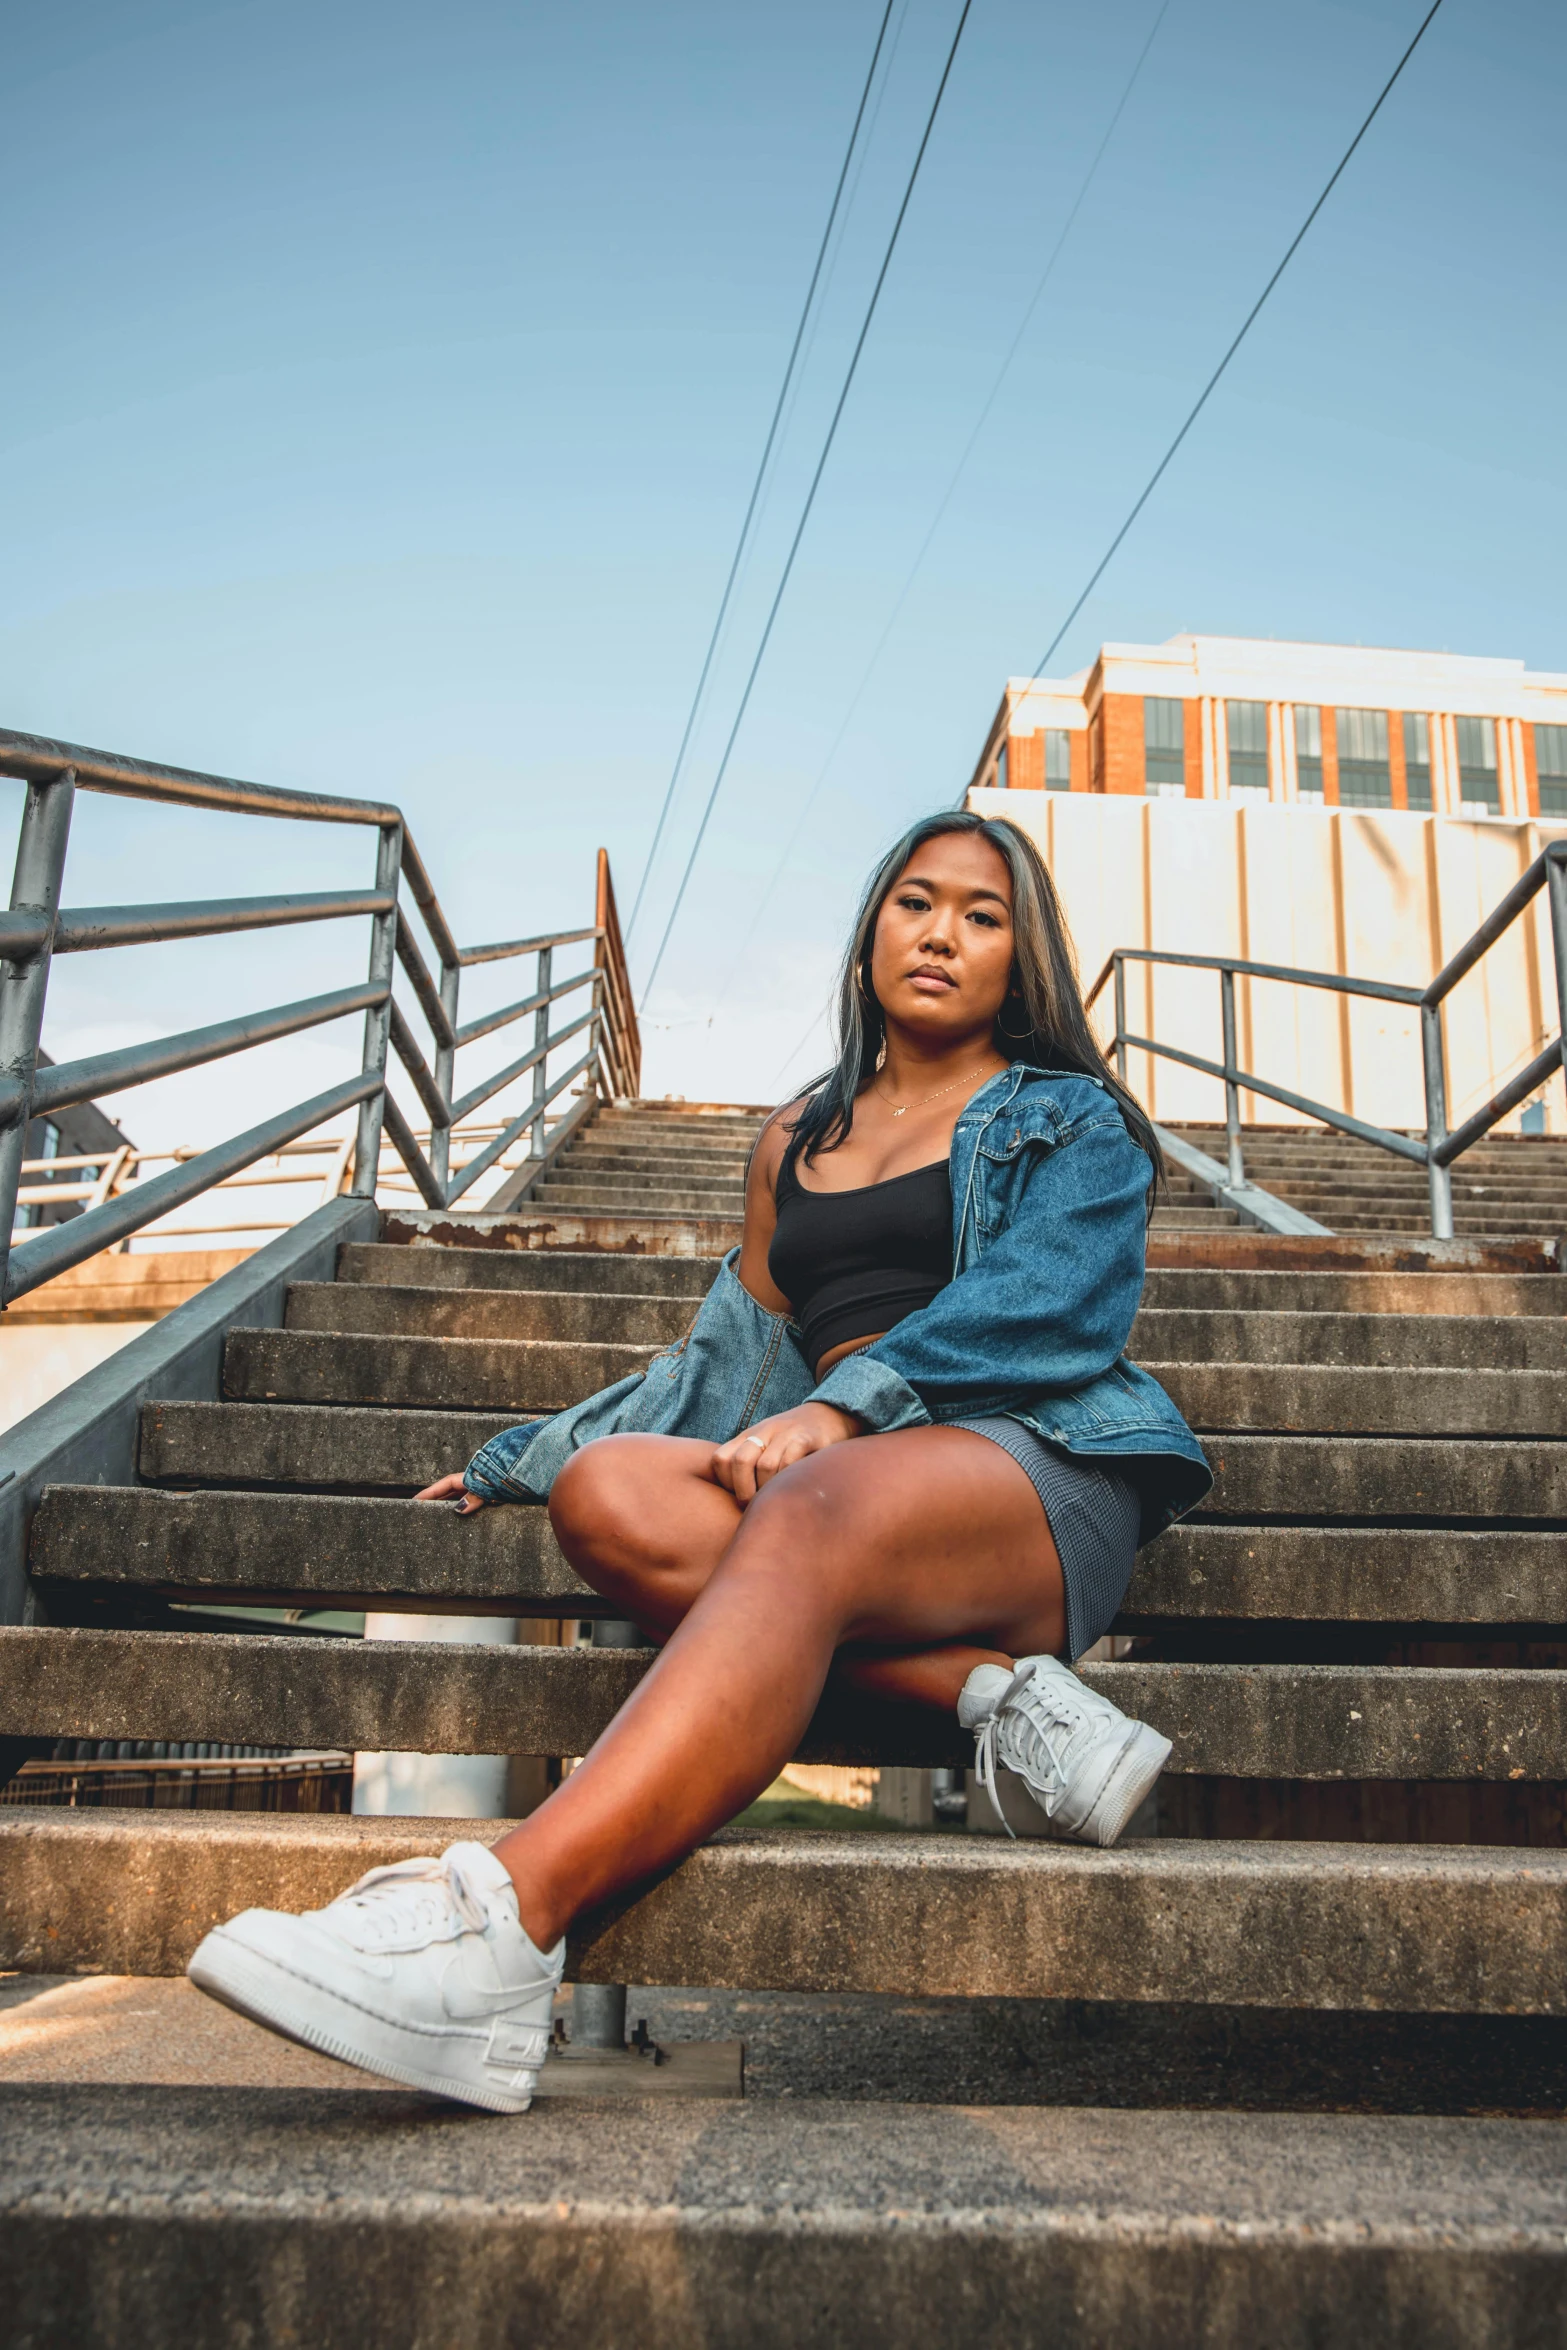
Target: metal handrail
{"points": [[35, 929], [1442, 1145]]}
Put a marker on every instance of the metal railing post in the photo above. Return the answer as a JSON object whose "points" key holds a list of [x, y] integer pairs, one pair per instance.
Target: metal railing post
{"points": [[543, 981], [1120, 1019], [1440, 1179], [35, 889], [378, 1020], [445, 1075], [1232, 1092], [1556, 887]]}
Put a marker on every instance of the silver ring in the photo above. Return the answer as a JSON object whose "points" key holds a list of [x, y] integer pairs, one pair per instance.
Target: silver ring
{"points": [[761, 1440]]}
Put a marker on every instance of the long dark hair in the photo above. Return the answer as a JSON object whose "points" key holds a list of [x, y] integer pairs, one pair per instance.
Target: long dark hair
{"points": [[1046, 1011]]}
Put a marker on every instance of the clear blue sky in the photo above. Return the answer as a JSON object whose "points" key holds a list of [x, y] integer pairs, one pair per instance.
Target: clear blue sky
{"points": [[384, 386]]}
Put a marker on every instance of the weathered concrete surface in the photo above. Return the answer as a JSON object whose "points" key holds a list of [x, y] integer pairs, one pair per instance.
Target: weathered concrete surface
{"points": [[1437, 1291], [1350, 1574], [1257, 1477], [160, 2030], [643, 1234], [89, 1431], [210, 2218], [317, 1445], [1230, 1396], [571, 1316], [1493, 1342], [306, 1550], [1385, 1477], [656, 1161], [1195, 1335], [520, 1375], [1358, 1252], [1228, 1721], [300, 1548], [616, 1191], [1398, 1928], [554, 1269]]}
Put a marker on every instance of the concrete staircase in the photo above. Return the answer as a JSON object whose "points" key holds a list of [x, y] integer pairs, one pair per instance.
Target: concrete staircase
{"points": [[1357, 1649], [1506, 1185]]}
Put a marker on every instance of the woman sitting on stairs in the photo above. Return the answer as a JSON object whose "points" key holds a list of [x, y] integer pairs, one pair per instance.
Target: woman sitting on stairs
{"points": [[900, 1446]]}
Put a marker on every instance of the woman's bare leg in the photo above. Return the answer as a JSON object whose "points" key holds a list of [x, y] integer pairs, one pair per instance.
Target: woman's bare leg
{"points": [[651, 1528], [930, 1538]]}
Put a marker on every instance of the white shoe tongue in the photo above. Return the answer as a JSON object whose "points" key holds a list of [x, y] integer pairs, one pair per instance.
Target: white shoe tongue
{"points": [[480, 1866]]}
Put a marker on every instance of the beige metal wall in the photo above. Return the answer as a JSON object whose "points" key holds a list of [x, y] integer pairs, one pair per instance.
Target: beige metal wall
{"points": [[1378, 895]]}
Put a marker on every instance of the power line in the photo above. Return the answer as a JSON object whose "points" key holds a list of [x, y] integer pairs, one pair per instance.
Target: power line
{"points": [[756, 486], [810, 498], [781, 866], [1246, 325]]}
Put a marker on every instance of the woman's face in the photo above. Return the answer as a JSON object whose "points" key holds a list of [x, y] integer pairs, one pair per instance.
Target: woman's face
{"points": [[941, 961]]}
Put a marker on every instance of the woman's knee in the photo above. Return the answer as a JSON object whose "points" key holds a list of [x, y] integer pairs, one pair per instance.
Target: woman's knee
{"points": [[590, 1500], [605, 1503], [811, 1522]]}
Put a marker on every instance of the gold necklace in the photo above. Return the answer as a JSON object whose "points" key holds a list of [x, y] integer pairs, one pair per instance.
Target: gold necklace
{"points": [[929, 1097]]}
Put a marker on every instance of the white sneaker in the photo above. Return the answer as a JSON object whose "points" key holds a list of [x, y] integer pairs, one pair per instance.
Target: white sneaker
{"points": [[421, 1971], [1082, 1760]]}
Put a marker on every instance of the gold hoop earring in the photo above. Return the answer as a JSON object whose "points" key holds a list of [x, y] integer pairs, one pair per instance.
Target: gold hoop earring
{"points": [[1015, 1035]]}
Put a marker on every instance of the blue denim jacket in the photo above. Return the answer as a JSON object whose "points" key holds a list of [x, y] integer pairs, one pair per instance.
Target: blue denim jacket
{"points": [[1048, 1237]]}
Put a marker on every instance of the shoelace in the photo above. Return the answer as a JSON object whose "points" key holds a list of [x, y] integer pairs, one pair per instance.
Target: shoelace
{"points": [[1044, 1710], [402, 1897]]}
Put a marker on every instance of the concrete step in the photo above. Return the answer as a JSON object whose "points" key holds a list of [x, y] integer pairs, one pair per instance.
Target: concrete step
{"points": [[576, 1316], [302, 1549], [1440, 1291], [645, 1117], [1317, 1401], [164, 2215], [1256, 1721], [1419, 1575], [1193, 1219], [638, 1184], [598, 1196], [1453, 1341], [595, 1272], [1167, 1334], [1400, 1928], [539, 1375], [518, 1375], [607, 1159], [326, 1447], [1391, 1477], [1467, 1225], [614, 1233], [1311, 1477]]}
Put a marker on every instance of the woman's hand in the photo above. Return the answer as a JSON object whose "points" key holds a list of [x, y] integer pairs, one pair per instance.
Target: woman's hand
{"points": [[448, 1489], [744, 1465]]}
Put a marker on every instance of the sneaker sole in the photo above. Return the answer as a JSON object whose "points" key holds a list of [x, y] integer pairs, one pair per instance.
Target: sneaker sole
{"points": [[256, 1987], [1131, 1775]]}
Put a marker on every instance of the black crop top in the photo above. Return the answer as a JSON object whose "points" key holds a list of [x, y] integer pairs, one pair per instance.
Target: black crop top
{"points": [[851, 1263]]}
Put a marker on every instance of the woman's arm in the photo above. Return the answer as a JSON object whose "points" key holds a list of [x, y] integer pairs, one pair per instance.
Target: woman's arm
{"points": [[761, 1211]]}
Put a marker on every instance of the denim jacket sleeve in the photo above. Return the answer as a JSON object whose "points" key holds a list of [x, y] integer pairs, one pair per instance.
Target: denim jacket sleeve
{"points": [[1046, 1307]]}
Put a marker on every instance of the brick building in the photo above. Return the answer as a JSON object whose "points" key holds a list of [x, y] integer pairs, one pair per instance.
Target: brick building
{"points": [[1239, 718]]}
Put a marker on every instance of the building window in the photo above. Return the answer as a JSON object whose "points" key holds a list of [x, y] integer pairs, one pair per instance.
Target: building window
{"points": [[1058, 759], [1246, 725], [1550, 757], [1364, 778], [1164, 747], [1308, 751], [1479, 791], [1417, 761], [1001, 768]]}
